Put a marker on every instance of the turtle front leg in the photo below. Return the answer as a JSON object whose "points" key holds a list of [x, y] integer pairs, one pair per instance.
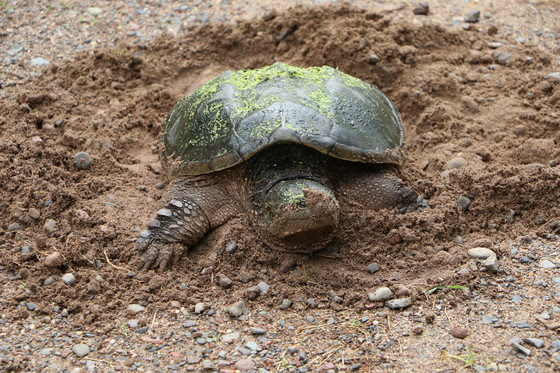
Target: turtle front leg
{"points": [[195, 207], [378, 190]]}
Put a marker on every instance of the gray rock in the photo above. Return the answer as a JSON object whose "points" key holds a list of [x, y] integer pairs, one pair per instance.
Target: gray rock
{"points": [[372, 267], [464, 203], [536, 342], [224, 281], [80, 349], [49, 280], [14, 226], [380, 294], [69, 278], [473, 16], [494, 45], [39, 61], [142, 330], [135, 308], [488, 319], [516, 344], [263, 287], [520, 325], [503, 58], [456, 162], [398, 303], [14, 51], [231, 247], [199, 307], [257, 331], [480, 253], [50, 225], [82, 160], [245, 365], [545, 263], [31, 306], [286, 303], [132, 324], [491, 263], [207, 365], [253, 346], [236, 310]]}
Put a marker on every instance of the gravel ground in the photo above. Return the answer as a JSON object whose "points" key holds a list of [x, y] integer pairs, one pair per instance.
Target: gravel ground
{"points": [[35, 34], [507, 319]]}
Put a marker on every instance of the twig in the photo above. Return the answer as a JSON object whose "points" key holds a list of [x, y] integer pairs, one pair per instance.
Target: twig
{"points": [[112, 265], [446, 314]]}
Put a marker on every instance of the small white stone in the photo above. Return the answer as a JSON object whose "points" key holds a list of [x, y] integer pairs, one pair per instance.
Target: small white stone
{"points": [[135, 308], [380, 295], [69, 279], [480, 253]]}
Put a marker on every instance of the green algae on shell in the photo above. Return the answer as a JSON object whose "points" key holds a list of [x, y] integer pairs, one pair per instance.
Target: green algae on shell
{"points": [[237, 114]]}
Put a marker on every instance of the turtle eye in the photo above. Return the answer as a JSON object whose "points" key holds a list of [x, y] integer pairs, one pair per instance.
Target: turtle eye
{"points": [[301, 204]]}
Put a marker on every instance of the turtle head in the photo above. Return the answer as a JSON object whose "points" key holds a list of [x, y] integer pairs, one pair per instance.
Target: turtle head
{"points": [[297, 215]]}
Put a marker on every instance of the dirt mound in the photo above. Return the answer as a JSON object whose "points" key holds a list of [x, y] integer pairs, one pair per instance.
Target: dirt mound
{"points": [[481, 145]]}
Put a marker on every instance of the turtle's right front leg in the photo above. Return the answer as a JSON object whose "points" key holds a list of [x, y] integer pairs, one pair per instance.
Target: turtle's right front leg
{"points": [[193, 210]]}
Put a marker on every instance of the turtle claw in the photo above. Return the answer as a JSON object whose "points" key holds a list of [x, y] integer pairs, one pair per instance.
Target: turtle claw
{"points": [[157, 254]]}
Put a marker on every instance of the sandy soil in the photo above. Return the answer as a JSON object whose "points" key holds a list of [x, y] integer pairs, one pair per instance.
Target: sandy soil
{"points": [[481, 113]]}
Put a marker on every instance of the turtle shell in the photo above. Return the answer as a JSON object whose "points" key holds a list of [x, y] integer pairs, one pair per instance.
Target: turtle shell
{"points": [[238, 114]]}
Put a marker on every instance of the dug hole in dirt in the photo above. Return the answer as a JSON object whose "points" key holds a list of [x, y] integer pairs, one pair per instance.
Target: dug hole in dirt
{"points": [[481, 138]]}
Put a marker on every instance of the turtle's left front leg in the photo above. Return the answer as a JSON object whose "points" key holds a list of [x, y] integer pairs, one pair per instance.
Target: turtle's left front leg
{"points": [[194, 207]]}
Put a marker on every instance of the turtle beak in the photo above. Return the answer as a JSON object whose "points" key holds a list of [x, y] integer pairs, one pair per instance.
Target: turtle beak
{"points": [[298, 215]]}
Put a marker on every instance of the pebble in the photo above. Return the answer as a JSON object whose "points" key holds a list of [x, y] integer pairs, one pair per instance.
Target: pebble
{"points": [[53, 260], [14, 226], [82, 160], [236, 310], [207, 365], [224, 281], [34, 213], [231, 247], [245, 365], [69, 278], [480, 253], [381, 294], [421, 9], [135, 308], [516, 344], [547, 264], [536, 342], [464, 203], [39, 61], [555, 77], [199, 307], [494, 45], [132, 324], [503, 58], [473, 16], [398, 303], [286, 303], [94, 10], [230, 337], [520, 325], [491, 263], [263, 287], [372, 268], [456, 162], [31, 306], [460, 333], [50, 225], [14, 51], [80, 349], [49, 280], [257, 331], [373, 58]]}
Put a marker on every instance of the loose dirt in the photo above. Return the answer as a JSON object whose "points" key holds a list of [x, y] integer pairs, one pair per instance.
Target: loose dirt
{"points": [[482, 146]]}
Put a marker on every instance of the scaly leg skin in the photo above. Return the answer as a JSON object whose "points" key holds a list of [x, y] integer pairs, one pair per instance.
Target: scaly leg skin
{"points": [[378, 190], [195, 207]]}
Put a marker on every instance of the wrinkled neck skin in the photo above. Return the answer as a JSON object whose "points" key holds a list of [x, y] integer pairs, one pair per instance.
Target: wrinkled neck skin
{"points": [[291, 201]]}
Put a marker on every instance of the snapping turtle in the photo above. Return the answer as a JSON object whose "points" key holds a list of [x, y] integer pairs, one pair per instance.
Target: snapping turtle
{"points": [[287, 145]]}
